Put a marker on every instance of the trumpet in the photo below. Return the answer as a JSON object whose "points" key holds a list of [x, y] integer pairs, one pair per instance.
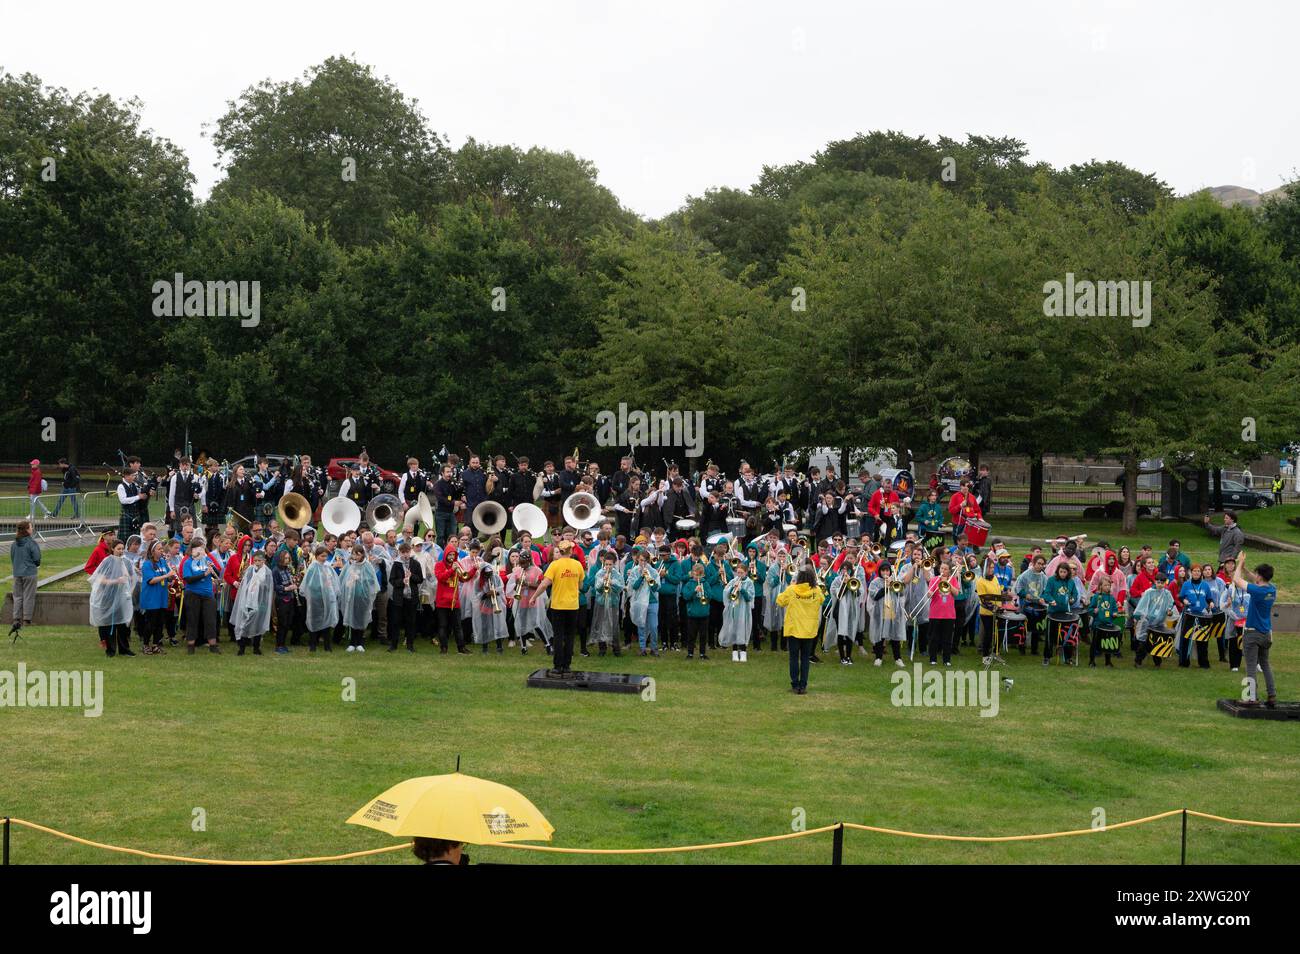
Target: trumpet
{"points": [[606, 587], [734, 594], [704, 598]]}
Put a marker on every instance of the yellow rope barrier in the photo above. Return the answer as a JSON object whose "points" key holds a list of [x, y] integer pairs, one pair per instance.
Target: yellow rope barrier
{"points": [[665, 851], [203, 861], [934, 836], [991, 838], [1243, 821]]}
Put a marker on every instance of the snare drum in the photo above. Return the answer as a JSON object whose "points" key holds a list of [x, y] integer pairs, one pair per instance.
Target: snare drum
{"points": [[736, 528], [686, 526], [852, 529], [977, 531]]}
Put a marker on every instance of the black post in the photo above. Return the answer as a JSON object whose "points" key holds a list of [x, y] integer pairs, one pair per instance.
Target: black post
{"points": [[6, 841], [837, 846], [1183, 859]]}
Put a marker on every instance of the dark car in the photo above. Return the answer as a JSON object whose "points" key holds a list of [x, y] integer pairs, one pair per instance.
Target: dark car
{"points": [[274, 462], [1237, 496]]}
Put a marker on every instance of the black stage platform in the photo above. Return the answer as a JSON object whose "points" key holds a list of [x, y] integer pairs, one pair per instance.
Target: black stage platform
{"points": [[1284, 710], [591, 681]]}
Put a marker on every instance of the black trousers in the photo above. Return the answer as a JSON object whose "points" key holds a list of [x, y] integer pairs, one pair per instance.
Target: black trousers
{"points": [[200, 619], [449, 625], [284, 611], [152, 626], [564, 623], [116, 638], [668, 624], [697, 631], [941, 639], [401, 619], [715, 622], [321, 636], [879, 648]]}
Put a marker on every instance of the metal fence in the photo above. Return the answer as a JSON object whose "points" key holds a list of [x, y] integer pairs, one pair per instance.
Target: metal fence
{"points": [[58, 515]]}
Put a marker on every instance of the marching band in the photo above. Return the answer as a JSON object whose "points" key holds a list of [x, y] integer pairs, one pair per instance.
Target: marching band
{"points": [[663, 562]]}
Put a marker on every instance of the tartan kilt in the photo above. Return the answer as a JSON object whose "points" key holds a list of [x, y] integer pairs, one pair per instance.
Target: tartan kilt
{"points": [[127, 524]]}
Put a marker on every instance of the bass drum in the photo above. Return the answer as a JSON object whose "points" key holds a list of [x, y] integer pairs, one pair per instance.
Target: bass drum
{"points": [[1107, 638]]}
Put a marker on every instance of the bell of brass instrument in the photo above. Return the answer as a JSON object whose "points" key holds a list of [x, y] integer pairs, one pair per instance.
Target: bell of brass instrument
{"points": [[704, 597], [581, 511], [294, 511], [734, 595], [897, 586], [927, 564], [945, 587], [854, 585], [968, 576], [381, 514]]}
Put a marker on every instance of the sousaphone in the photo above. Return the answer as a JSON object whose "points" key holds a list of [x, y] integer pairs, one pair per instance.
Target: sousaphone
{"points": [[490, 517], [581, 511], [528, 518], [294, 511], [340, 515], [381, 514], [422, 512]]}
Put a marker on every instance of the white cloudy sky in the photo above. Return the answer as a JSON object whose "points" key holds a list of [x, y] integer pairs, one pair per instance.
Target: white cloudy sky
{"points": [[671, 98]]}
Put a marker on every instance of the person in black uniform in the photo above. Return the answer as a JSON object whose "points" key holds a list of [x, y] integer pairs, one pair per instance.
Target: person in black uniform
{"points": [[405, 577], [267, 489], [239, 495], [447, 493], [414, 482], [984, 490], [182, 495], [214, 499], [522, 481], [474, 478], [627, 507], [356, 488]]}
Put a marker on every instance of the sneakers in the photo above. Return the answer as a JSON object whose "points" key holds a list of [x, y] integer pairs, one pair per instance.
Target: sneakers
{"points": [[1047, 662], [744, 656], [879, 662], [735, 655], [899, 663], [988, 660], [351, 648], [844, 662]]}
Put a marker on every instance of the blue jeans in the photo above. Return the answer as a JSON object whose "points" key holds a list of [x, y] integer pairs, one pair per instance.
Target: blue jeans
{"points": [[650, 631], [35, 500], [68, 494], [800, 656]]}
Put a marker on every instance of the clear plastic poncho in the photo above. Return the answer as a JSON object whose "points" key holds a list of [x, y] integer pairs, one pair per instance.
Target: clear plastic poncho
{"points": [[320, 588], [111, 586], [251, 614], [358, 587]]}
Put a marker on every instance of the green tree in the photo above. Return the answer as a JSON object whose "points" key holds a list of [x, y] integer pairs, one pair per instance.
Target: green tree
{"points": [[296, 139]]}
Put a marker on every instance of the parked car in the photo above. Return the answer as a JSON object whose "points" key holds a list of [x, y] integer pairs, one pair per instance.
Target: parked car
{"points": [[274, 463], [1237, 496], [336, 471]]}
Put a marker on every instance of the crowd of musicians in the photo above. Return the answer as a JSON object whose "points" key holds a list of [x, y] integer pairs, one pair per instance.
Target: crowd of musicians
{"points": [[672, 563]]}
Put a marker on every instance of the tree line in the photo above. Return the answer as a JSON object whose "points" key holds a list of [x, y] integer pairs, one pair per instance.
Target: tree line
{"points": [[887, 292]]}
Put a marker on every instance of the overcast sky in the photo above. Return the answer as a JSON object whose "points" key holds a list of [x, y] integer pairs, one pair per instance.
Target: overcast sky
{"points": [[671, 98]]}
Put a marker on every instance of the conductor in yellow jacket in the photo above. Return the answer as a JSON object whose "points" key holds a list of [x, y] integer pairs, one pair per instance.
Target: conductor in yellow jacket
{"points": [[802, 601]]}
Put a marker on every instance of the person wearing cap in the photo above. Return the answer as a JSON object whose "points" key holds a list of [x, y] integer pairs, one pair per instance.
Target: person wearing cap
{"points": [[563, 579], [35, 487]]}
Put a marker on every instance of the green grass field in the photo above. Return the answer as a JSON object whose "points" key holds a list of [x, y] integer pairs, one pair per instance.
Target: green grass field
{"points": [[267, 747]]}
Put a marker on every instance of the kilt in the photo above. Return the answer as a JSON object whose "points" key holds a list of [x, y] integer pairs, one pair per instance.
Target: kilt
{"points": [[128, 524]]}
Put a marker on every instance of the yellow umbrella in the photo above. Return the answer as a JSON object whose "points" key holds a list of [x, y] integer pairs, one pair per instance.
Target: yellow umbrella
{"points": [[455, 807]]}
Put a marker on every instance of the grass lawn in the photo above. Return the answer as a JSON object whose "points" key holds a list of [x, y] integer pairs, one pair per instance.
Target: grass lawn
{"points": [[269, 750], [1272, 522]]}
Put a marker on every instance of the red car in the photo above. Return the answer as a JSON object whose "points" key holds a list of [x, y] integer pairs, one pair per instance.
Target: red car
{"points": [[337, 472]]}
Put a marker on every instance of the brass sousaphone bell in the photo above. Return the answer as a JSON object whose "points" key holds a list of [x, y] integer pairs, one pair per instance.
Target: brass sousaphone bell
{"points": [[340, 515], [581, 511], [489, 518], [421, 512], [381, 514], [294, 511]]}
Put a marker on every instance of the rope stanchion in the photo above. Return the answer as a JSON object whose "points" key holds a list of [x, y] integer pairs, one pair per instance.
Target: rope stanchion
{"points": [[666, 851], [837, 848]]}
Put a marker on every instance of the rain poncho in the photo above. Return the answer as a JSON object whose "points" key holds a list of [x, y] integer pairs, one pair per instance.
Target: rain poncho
{"points": [[358, 587], [738, 613], [320, 588], [530, 609], [251, 614], [777, 579], [489, 621], [111, 586], [1151, 611], [642, 587], [845, 617], [886, 616], [604, 606]]}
